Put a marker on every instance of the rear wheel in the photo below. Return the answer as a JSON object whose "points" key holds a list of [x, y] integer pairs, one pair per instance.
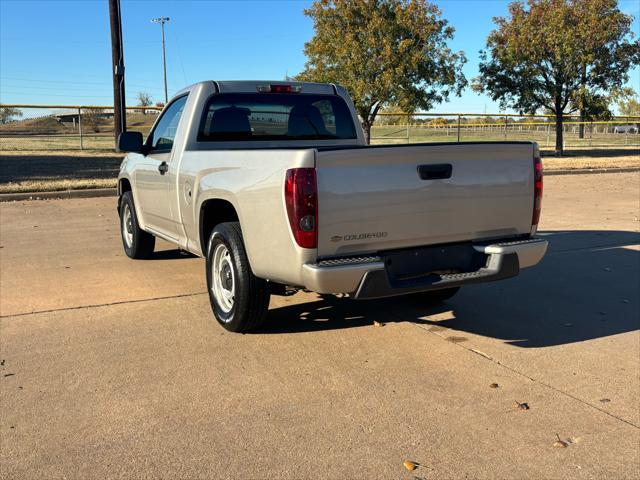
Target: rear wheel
{"points": [[137, 243], [436, 296], [238, 298]]}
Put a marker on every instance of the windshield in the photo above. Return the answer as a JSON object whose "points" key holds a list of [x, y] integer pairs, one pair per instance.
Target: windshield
{"points": [[275, 116]]}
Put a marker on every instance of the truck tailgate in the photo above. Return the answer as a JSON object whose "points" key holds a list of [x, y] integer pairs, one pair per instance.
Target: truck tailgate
{"points": [[379, 198]]}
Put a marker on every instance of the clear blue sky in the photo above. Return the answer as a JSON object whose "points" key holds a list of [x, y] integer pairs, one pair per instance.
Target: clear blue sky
{"points": [[59, 51]]}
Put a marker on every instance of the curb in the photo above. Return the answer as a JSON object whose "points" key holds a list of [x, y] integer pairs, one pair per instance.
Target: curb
{"points": [[65, 194], [112, 192]]}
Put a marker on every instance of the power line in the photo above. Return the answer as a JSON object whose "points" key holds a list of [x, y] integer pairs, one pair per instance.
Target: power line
{"points": [[184, 75], [54, 94], [67, 82], [42, 87], [29, 89]]}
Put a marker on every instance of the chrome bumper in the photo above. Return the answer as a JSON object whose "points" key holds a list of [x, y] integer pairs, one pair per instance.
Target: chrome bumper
{"points": [[366, 276]]}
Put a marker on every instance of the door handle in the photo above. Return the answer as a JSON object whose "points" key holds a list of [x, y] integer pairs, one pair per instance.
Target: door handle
{"points": [[163, 168], [435, 172]]}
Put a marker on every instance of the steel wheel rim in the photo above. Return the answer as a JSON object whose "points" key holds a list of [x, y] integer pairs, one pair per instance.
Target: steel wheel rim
{"points": [[223, 285], [127, 226]]}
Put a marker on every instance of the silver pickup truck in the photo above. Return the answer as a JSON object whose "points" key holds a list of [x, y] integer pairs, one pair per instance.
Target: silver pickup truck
{"points": [[273, 184]]}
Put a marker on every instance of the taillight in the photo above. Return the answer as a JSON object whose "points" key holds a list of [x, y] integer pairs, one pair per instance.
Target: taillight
{"points": [[537, 188], [301, 199]]}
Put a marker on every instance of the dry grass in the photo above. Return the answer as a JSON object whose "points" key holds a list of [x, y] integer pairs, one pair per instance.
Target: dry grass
{"points": [[57, 185], [572, 163], [57, 153]]}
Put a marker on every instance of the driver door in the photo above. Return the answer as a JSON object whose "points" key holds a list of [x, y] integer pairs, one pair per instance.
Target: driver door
{"points": [[152, 180]]}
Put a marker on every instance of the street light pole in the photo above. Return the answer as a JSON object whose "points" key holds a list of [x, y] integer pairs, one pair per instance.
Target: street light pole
{"points": [[161, 21]]}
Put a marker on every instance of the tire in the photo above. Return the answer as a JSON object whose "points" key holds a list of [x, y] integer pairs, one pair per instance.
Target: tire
{"points": [[137, 243], [238, 298], [434, 297]]}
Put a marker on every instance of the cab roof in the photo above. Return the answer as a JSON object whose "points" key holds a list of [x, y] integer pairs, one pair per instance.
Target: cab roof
{"points": [[251, 86]]}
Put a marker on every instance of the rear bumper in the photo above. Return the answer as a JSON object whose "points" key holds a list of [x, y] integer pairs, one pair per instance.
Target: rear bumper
{"points": [[367, 277]]}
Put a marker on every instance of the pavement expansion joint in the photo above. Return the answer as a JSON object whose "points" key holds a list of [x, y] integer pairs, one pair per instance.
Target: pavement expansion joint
{"points": [[524, 375], [121, 302]]}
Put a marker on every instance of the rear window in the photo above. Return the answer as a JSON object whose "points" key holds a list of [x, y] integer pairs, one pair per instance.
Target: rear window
{"points": [[275, 116]]}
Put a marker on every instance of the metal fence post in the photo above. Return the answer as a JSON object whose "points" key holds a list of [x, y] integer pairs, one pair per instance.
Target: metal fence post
{"points": [[626, 132], [506, 125], [80, 128], [408, 118], [547, 145], [458, 128]]}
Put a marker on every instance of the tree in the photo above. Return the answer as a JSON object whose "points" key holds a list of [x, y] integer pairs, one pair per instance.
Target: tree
{"points": [[630, 107], [385, 53], [90, 118], [144, 100], [392, 116], [7, 114], [548, 52], [592, 106], [627, 101]]}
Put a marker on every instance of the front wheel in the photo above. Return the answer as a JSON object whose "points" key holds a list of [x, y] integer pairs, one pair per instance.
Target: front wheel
{"points": [[238, 298], [137, 243]]}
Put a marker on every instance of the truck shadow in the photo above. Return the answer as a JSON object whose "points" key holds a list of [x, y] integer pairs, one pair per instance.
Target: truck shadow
{"points": [[587, 287], [171, 254]]}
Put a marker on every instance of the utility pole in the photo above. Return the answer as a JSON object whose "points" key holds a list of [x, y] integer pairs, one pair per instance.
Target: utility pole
{"points": [[162, 21], [117, 54]]}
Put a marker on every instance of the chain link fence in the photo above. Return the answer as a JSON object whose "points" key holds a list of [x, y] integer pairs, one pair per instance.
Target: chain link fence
{"points": [[62, 127], [620, 132]]}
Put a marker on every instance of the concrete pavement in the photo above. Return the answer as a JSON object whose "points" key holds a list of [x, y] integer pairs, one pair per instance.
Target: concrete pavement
{"points": [[116, 368]]}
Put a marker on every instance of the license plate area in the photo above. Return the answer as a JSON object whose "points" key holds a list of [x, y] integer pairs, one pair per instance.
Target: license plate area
{"points": [[407, 266]]}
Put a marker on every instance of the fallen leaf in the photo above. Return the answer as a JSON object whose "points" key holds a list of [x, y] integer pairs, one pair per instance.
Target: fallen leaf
{"points": [[377, 324], [494, 385], [411, 466], [605, 400], [522, 406], [559, 443]]}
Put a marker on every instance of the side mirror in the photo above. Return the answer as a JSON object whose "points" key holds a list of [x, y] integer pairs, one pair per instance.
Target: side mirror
{"points": [[130, 142]]}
